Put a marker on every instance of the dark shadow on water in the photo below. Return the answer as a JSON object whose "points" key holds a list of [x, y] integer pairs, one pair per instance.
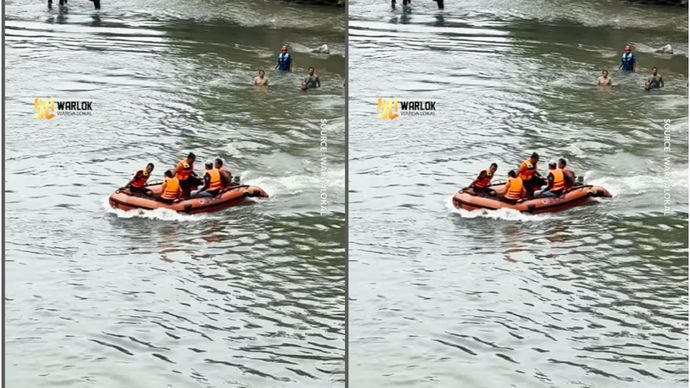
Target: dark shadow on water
{"points": [[96, 20], [440, 20]]}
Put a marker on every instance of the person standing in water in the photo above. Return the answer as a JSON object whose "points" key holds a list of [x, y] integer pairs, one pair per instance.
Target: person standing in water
{"points": [[627, 59], [654, 81], [311, 81], [284, 60], [604, 79], [261, 79]]}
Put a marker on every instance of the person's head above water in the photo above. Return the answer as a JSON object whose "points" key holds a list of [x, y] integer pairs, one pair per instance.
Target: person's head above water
{"points": [[512, 173], [284, 48], [311, 71], [191, 157], [605, 73], [561, 163], [262, 73], [534, 158], [219, 163], [149, 168], [627, 48], [654, 70], [169, 174], [209, 165], [493, 167], [552, 166]]}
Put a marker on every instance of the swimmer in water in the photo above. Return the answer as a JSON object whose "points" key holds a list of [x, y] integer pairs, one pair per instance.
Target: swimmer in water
{"points": [[654, 81], [604, 79], [261, 79], [311, 81]]}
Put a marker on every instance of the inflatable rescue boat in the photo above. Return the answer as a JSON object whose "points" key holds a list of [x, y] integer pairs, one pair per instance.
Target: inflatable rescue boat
{"points": [[468, 199], [124, 199]]}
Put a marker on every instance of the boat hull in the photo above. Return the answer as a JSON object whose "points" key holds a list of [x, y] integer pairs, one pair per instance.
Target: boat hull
{"points": [[467, 199], [125, 200]]}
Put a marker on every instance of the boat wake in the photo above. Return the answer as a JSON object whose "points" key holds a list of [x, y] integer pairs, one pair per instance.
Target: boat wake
{"points": [[160, 214], [505, 214]]}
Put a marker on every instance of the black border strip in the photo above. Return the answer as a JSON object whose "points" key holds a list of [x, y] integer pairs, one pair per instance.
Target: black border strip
{"points": [[347, 193]]}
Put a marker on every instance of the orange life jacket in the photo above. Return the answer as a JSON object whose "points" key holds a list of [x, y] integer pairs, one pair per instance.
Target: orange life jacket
{"points": [[182, 173], [171, 188], [558, 179], [527, 170], [141, 181], [484, 182], [215, 181], [514, 188]]}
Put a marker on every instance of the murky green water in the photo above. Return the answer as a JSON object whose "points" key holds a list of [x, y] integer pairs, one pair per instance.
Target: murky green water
{"points": [[250, 296], [592, 297]]}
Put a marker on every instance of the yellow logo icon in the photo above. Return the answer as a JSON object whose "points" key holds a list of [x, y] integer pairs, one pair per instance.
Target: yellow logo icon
{"points": [[387, 108], [44, 108]]}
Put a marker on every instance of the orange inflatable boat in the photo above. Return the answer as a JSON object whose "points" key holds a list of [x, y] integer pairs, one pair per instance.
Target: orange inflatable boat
{"points": [[468, 199], [124, 199]]}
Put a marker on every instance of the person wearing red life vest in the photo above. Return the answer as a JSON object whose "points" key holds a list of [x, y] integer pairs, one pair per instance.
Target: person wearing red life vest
{"points": [[529, 174], [483, 180], [138, 183]]}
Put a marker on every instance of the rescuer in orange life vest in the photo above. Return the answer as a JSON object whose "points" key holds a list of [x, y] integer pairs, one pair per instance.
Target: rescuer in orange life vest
{"points": [[225, 175], [483, 180], [184, 171], [170, 190], [555, 185], [138, 183], [568, 174], [529, 174], [515, 189], [213, 182]]}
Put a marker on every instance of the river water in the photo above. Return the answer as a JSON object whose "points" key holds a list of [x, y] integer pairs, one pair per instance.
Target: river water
{"points": [[592, 297], [250, 296]]}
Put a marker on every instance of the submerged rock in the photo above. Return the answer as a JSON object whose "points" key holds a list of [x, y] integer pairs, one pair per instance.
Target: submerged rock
{"points": [[667, 49], [321, 49]]}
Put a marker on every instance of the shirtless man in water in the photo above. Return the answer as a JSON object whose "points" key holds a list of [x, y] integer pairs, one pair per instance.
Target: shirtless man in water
{"points": [[604, 79], [261, 79], [311, 81], [654, 81]]}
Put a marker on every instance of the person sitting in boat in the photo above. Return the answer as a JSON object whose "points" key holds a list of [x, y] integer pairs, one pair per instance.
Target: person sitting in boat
{"points": [[529, 174], [138, 183], [483, 180], [515, 189], [212, 182], [225, 175], [555, 182], [186, 175], [568, 174], [171, 188]]}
